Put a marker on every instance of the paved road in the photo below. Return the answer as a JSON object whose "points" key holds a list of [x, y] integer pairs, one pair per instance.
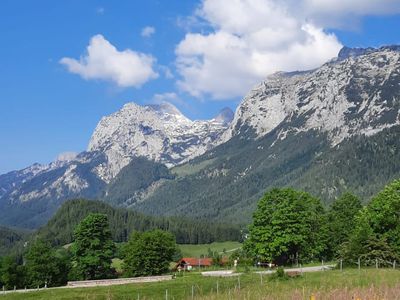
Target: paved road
{"points": [[301, 270]]}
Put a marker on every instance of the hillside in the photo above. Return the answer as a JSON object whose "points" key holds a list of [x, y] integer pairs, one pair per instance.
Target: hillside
{"points": [[227, 183], [326, 131], [11, 239], [59, 230]]}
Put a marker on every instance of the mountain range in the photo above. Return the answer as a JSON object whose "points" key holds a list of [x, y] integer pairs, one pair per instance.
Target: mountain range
{"points": [[326, 131]]}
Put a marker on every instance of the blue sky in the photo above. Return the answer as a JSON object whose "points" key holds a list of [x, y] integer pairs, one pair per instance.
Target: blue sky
{"points": [[200, 55]]}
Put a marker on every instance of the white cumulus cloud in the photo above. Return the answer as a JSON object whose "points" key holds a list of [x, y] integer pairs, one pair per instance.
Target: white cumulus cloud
{"points": [[246, 40], [148, 31], [104, 61], [250, 39]]}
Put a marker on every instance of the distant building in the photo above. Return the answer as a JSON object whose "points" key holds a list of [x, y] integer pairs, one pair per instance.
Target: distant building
{"points": [[188, 263]]}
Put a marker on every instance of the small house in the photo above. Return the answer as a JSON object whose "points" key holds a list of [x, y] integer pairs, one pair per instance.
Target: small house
{"points": [[188, 263]]}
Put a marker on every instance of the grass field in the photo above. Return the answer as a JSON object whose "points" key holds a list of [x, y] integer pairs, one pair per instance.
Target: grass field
{"points": [[349, 284], [202, 249]]}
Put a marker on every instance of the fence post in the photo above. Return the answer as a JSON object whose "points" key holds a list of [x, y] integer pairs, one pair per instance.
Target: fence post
{"points": [[394, 264], [376, 263], [217, 287], [166, 294], [261, 278], [239, 282], [341, 264]]}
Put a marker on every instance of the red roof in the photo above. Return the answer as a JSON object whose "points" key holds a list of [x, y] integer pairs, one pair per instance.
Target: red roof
{"points": [[204, 262]]}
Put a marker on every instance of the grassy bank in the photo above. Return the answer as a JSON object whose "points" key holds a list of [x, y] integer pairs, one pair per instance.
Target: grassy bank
{"points": [[365, 284], [202, 249]]}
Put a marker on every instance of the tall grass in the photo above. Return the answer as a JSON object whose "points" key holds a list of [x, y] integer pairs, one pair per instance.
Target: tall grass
{"points": [[365, 284]]}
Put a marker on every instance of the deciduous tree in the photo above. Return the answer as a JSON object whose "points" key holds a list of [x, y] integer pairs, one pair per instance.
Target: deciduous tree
{"points": [[288, 225], [341, 219], [93, 248], [44, 266], [149, 253]]}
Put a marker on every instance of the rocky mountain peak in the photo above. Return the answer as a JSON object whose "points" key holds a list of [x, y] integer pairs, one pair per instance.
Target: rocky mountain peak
{"points": [[158, 132], [357, 94], [347, 52]]}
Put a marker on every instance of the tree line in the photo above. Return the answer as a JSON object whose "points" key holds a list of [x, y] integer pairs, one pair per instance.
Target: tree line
{"points": [[89, 257], [60, 229], [289, 226], [292, 226]]}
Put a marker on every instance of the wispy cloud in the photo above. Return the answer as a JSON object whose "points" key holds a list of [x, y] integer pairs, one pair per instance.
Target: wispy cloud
{"points": [[100, 10], [148, 31]]}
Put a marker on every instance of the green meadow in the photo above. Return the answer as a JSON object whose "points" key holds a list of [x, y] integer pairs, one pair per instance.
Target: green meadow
{"points": [[349, 284], [189, 250]]}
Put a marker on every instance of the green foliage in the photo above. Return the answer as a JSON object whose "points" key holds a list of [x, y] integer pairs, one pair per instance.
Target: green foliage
{"points": [[45, 266], [384, 210], [287, 225], [351, 250], [59, 230], [242, 257], [12, 240], [149, 253], [341, 220], [93, 248], [377, 229], [378, 250], [138, 175], [12, 273], [216, 257], [361, 164], [280, 274]]}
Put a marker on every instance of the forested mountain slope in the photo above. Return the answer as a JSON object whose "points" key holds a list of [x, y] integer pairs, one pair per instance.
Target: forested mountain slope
{"points": [[60, 229], [326, 131]]}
